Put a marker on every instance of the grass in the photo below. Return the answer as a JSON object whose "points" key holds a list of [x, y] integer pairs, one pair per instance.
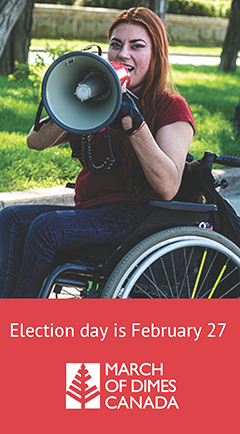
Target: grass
{"points": [[22, 168], [211, 95]]}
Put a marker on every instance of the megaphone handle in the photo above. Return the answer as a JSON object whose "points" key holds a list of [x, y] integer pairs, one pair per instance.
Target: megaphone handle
{"points": [[38, 124], [132, 94], [89, 47]]}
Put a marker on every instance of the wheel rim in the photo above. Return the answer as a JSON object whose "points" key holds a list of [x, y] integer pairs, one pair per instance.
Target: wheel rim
{"points": [[211, 270]]}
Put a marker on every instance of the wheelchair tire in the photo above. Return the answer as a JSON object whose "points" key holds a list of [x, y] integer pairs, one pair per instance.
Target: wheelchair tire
{"points": [[184, 262]]}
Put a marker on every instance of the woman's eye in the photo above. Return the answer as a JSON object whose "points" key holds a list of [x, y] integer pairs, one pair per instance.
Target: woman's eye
{"points": [[138, 46], [115, 45]]}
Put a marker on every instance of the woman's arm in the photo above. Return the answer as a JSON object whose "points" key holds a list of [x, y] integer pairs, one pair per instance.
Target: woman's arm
{"points": [[49, 135], [163, 158]]}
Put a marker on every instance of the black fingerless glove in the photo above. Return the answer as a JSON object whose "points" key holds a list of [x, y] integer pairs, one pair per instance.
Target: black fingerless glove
{"points": [[128, 108]]}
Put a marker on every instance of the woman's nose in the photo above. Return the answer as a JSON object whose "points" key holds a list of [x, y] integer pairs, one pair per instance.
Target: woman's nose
{"points": [[124, 53]]}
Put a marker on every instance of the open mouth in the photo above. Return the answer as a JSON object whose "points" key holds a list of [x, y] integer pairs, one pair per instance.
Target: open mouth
{"points": [[130, 68]]}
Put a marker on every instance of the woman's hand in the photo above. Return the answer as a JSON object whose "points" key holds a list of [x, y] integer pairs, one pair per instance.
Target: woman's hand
{"points": [[129, 117]]}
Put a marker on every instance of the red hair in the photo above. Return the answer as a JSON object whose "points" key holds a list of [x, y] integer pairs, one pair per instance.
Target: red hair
{"points": [[156, 83]]}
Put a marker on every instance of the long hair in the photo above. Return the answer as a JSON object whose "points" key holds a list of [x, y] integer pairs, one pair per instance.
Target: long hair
{"points": [[156, 84], [153, 89]]}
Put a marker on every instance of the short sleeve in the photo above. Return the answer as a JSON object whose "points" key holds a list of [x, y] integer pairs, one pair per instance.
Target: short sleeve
{"points": [[173, 108]]}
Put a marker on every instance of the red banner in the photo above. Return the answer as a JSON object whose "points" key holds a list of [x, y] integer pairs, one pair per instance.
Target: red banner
{"points": [[113, 366]]}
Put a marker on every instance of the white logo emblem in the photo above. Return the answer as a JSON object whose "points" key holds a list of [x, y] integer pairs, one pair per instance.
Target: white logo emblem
{"points": [[82, 385]]}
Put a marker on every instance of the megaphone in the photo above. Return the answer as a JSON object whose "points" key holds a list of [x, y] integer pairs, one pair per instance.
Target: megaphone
{"points": [[82, 92]]}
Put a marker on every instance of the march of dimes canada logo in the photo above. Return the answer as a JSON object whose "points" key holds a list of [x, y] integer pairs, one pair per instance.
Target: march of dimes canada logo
{"points": [[119, 385]]}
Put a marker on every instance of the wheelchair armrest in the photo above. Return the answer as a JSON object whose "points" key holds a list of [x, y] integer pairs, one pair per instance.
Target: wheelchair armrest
{"points": [[184, 206]]}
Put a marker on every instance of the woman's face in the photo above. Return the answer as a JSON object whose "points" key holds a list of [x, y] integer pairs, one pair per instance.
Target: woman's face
{"points": [[131, 45]]}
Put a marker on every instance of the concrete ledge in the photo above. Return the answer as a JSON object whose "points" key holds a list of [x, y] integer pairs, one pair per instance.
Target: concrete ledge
{"points": [[47, 196]]}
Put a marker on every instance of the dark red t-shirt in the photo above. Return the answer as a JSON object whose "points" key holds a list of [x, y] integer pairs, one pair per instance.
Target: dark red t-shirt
{"points": [[93, 189]]}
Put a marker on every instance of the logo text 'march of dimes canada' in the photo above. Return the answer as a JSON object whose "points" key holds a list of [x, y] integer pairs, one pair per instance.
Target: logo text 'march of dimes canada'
{"points": [[125, 385]]}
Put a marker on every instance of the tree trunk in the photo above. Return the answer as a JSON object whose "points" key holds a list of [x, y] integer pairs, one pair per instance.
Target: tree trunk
{"points": [[161, 8], [232, 41], [158, 6], [15, 34]]}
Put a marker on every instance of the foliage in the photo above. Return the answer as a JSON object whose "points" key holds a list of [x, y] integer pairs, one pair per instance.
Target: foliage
{"points": [[57, 2], [113, 4], [55, 52], [215, 8], [22, 72]]}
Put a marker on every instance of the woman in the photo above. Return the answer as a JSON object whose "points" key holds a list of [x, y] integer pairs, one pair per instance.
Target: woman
{"points": [[149, 143]]}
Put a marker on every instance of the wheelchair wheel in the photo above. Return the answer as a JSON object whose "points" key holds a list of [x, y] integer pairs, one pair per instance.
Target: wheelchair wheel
{"points": [[184, 262]]}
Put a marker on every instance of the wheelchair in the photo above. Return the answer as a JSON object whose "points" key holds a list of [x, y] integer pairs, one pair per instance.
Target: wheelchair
{"points": [[174, 253]]}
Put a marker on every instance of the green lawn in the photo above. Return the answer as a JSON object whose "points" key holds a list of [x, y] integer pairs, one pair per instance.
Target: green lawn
{"points": [[211, 95]]}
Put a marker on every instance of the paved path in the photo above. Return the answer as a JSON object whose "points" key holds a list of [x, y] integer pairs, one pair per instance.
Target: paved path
{"points": [[196, 60], [235, 202]]}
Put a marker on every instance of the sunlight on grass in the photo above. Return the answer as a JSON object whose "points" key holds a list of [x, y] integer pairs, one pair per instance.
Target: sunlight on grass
{"points": [[22, 168], [212, 96]]}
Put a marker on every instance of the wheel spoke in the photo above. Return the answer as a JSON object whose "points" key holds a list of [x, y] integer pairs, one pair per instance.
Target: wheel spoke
{"points": [[186, 276], [218, 279], [167, 278], [199, 273], [204, 282]]}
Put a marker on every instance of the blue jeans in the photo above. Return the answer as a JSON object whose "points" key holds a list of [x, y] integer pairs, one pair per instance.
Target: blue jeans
{"points": [[31, 236]]}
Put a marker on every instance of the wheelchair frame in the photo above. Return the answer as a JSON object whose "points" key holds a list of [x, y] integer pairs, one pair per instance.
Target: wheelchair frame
{"points": [[96, 266]]}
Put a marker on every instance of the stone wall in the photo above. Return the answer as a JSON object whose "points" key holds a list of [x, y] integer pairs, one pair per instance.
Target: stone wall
{"points": [[75, 22]]}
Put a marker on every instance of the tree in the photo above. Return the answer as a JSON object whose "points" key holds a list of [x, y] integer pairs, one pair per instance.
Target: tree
{"points": [[158, 6], [232, 41], [15, 32]]}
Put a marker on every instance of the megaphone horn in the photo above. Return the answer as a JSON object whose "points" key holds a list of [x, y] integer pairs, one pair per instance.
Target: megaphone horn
{"points": [[82, 92]]}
